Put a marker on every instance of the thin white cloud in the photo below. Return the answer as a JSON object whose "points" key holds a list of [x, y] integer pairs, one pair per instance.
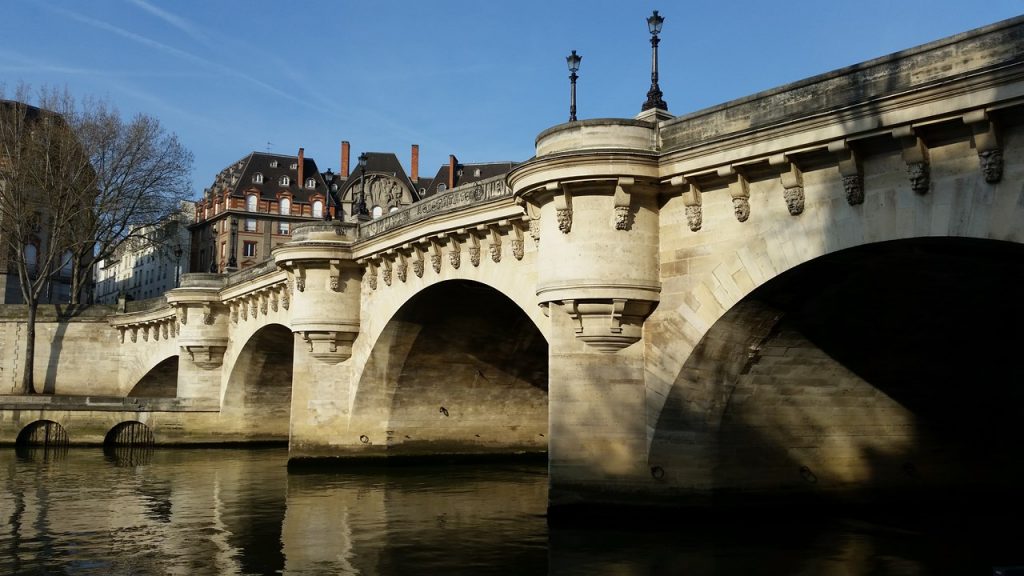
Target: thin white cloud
{"points": [[174, 20]]}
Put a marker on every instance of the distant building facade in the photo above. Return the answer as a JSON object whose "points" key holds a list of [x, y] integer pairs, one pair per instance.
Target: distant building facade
{"points": [[252, 206], [148, 264]]}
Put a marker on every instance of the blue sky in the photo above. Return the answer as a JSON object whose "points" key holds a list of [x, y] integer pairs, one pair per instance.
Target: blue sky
{"points": [[478, 79]]}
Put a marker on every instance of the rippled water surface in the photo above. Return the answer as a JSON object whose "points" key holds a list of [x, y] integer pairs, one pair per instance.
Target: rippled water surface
{"points": [[85, 511]]}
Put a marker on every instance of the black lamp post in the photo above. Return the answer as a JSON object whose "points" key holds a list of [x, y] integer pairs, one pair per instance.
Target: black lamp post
{"points": [[177, 265], [654, 99], [328, 178], [232, 255], [573, 60], [361, 202]]}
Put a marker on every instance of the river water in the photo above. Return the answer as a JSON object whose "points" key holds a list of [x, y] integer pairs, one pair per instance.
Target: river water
{"points": [[226, 511]]}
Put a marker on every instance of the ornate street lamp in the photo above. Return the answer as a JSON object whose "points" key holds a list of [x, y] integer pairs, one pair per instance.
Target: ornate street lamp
{"points": [[654, 99], [573, 60], [328, 177], [177, 265], [361, 202]]}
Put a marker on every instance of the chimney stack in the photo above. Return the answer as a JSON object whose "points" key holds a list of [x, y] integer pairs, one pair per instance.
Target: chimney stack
{"points": [[344, 158], [452, 161], [301, 166], [414, 175]]}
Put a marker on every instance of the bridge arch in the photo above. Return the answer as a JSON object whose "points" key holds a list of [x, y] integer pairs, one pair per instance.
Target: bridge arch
{"points": [[43, 433], [459, 368], [150, 368], [257, 393], [890, 364]]}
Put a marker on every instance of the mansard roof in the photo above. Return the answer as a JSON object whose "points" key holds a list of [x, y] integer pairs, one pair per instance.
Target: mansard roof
{"points": [[466, 174], [240, 177], [380, 163]]}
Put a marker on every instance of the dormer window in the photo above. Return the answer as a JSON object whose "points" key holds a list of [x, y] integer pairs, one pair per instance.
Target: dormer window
{"points": [[257, 178], [442, 187], [476, 173], [310, 183], [294, 166], [285, 181], [273, 163]]}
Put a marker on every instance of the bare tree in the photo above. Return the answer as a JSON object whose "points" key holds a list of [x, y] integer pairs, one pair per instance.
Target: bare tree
{"points": [[75, 181]]}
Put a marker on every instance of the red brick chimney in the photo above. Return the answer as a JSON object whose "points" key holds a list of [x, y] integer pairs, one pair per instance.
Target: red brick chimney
{"points": [[414, 174], [452, 161], [302, 161], [344, 159]]}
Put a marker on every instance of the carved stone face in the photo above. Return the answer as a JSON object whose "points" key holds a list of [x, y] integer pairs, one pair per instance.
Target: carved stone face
{"points": [[741, 208], [854, 186], [795, 200], [564, 216], [991, 164], [621, 217], [919, 180], [694, 217]]}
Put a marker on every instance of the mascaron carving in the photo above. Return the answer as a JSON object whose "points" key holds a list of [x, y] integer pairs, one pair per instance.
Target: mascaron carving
{"points": [[495, 249], [920, 177], [741, 208], [417, 267], [474, 255], [853, 184], [991, 163], [517, 248], [694, 217], [564, 217], [435, 262], [455, 258], [794, 200], [622, 217]]}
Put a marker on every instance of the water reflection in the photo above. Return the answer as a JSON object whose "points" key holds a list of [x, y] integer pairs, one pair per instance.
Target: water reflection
{"points": [[92, 511]]}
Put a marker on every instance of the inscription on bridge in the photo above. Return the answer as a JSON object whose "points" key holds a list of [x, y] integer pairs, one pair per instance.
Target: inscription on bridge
{"points": [[461, 197]]}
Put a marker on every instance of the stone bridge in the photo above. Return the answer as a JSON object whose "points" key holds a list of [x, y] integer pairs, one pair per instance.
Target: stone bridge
{"points": [[814, 289]]}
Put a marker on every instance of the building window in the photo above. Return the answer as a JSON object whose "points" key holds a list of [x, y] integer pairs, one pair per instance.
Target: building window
{"points": [[318, 209], [223, 250], [285, 206], [273, 163], [31, 256], [250, 202], [283, 228], [250, 225], [249, 249], [257, 178], [285, 181], [310, 183], [294, 166]]}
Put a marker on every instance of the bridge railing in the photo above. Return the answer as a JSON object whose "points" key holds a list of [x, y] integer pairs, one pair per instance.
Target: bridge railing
{"points": [[480, 192]]}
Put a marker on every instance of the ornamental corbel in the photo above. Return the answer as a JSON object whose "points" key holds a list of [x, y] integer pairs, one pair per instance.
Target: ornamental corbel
{"points": [[620, 202], [401, 266], [418, 261], [121, 330], [285, 297], [182, 314], [518, 244], [792, 179], [915, 155], [454, 252], [494, 244], [145, 332], [739, 190], [851, 171], [563, 209], [243, 310], [233, 311], [272, 295], [693, 200], [209, 315], [434, 247], [163, 329], [335, 275], [474, 249], [386, 270], [986, 142], [608, 325], [371, 274], [135, 334], [263, 303], [299, 276]]}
